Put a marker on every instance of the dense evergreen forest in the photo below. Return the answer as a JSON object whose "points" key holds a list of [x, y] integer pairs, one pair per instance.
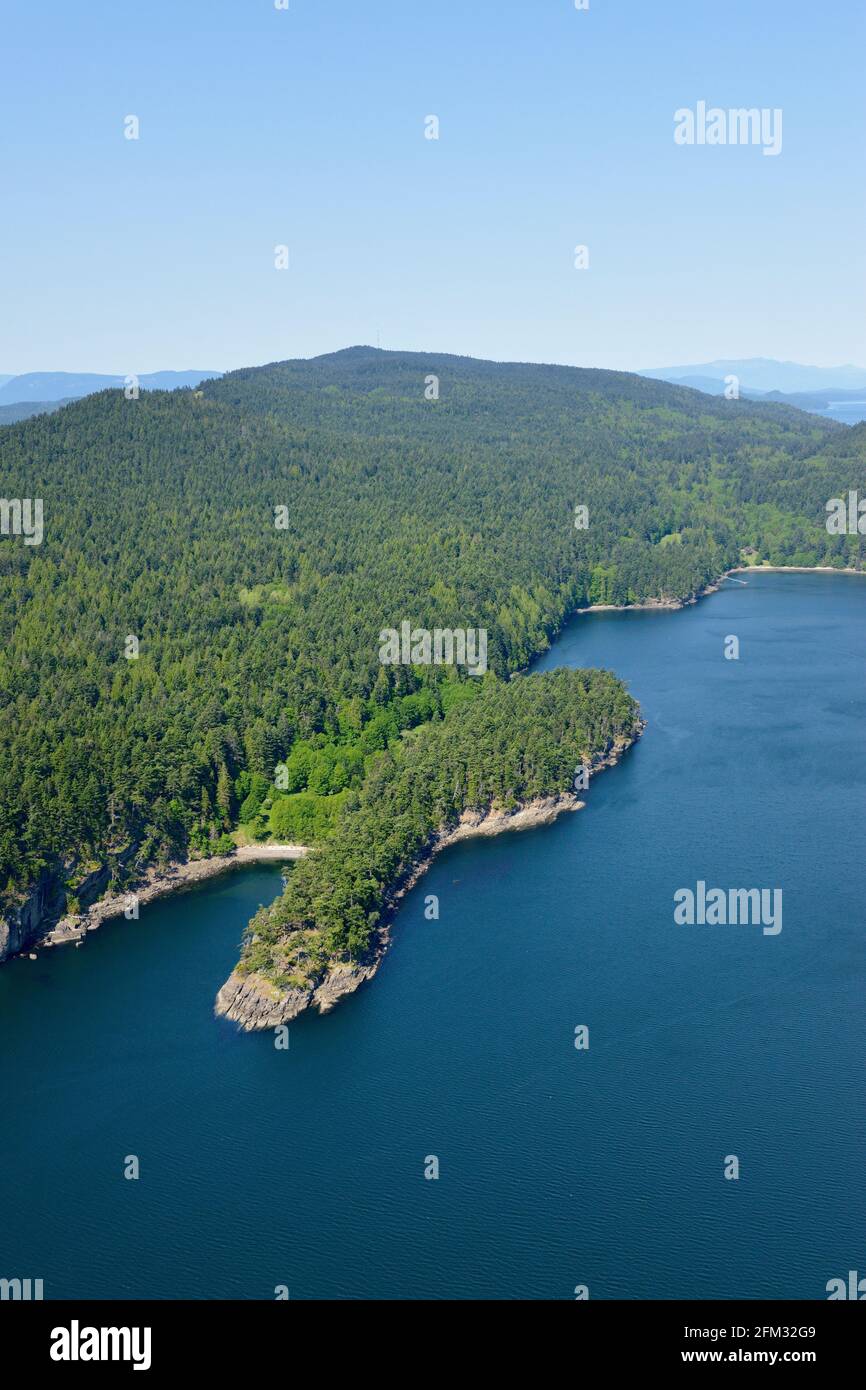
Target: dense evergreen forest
{"points": [[507, 744], [254, 535]]}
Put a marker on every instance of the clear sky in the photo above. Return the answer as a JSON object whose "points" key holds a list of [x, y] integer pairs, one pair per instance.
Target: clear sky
{"points": [[305, 127]]}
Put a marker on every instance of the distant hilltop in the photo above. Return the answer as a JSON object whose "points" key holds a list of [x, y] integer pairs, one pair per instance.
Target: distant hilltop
{"points": [[63, 386]]}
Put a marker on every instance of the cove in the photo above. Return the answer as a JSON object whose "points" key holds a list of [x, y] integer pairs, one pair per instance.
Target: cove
{"points": [[558, 1166]]}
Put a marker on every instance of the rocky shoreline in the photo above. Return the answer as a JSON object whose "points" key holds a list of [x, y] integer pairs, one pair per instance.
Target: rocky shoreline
{"points": [[651, 605], [255, 1003], [792, 569], [667, 605], [154, 883]]}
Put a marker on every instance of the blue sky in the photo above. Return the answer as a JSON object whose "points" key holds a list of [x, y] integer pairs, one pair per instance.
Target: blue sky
{"points": [[306, 127]]}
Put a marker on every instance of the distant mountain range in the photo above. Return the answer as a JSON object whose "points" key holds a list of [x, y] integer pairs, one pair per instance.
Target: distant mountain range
{"points": [[763, 374], [837, 392], [40, 387]]}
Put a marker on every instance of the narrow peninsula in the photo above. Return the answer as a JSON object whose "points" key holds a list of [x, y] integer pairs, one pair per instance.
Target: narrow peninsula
{"points": [[509, 758]]}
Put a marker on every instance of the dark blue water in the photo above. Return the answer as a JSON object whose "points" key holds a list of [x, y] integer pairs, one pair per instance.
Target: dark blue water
{"points": [[558, 1167]]}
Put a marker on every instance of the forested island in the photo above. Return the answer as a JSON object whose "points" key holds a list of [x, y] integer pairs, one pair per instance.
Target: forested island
{"points": [[217, 564]]}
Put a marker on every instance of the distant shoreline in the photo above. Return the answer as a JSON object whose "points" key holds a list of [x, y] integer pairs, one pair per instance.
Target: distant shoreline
{"points": [[669, 605], [795, 569]]}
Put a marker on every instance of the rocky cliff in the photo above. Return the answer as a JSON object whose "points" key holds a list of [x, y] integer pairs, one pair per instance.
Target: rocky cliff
{"points": [[22, 925]]}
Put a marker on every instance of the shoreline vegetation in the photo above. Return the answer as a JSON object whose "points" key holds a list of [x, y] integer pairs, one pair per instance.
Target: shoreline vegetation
{"points": [[256, 1003], [515, 757], [234, 1001], [157, 882], [667, 605]]}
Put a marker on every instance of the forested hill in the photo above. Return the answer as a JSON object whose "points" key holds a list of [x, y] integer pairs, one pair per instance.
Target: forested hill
{"points": [[258, 644]]}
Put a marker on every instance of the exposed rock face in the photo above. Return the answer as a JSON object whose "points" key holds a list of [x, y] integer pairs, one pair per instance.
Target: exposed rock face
{"points": [[256, 1003], [341, 980], [38, 921], [540, 812], [21, 926], [30, 922]]}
